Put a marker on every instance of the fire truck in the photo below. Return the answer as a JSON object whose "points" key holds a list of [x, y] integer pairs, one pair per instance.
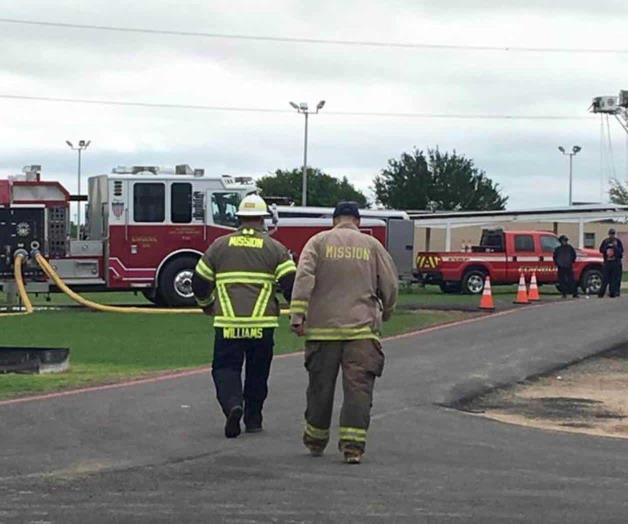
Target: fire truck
{"points": [[147, 226]]}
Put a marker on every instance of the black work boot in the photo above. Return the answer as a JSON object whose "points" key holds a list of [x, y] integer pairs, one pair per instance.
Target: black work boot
{"points": [[232, 426], [253, 422], [352, 452], [316, 447]]}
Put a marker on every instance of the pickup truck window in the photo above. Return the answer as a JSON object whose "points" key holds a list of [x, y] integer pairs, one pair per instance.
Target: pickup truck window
{"points": [[549, 243], [492, 241], [524, 243]]}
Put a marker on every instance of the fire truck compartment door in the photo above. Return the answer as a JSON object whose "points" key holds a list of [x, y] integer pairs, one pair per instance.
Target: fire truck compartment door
{"points": [[400, 240]]}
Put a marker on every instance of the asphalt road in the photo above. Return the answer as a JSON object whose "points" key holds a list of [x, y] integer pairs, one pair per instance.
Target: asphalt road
{"points": [[155, 452]]}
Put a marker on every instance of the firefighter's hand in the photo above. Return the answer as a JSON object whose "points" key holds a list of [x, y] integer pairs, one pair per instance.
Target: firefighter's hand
{"points": [[298, 328]]}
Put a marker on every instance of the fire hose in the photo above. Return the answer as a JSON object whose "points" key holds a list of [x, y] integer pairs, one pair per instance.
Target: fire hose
{"points": [[20, 256], [52, 274]]}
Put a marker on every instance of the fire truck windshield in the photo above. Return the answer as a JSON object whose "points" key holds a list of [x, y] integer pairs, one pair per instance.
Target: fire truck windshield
{"points": [[224, 208]]}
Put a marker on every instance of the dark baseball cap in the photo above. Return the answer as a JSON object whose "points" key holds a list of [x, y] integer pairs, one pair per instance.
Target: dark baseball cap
{"points": [[563, 237], [347, 209]]}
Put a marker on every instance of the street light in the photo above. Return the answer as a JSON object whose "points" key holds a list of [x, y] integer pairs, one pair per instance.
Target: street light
{"points": [[574, 151], [303, 109], [82, 145]]}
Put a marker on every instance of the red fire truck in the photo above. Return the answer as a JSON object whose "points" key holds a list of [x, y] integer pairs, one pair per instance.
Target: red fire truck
{"points": [[146, 227], [503, 255]]}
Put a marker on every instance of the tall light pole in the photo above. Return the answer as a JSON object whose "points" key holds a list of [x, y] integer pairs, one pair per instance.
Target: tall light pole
{"points": [[82, 145], [574, 151], [303, 109]]}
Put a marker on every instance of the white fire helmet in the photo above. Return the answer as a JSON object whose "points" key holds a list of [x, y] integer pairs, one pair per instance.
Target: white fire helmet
{"points": [[253, 206]]}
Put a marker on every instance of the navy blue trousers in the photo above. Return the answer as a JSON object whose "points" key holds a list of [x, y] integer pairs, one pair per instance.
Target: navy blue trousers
{"points": [[230, 355]]}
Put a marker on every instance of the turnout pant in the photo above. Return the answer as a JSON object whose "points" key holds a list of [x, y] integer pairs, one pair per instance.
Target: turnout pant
{"points": [[611, 272], [230, 353], [361, 361], [566, 281]]}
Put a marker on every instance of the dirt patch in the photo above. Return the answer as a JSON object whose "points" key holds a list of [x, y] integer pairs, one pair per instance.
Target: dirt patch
{"points": [[589, 397]]}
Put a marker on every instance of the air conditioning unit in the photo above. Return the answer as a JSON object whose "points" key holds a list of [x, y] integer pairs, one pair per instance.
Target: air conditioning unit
{"points": [[605, 104]]}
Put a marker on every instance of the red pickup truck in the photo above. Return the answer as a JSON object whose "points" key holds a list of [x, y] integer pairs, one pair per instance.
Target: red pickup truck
{"points": [[503, 255]]}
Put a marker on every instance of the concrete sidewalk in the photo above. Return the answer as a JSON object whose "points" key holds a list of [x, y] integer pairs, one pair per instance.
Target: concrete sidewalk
{"points": [[155, 452]]}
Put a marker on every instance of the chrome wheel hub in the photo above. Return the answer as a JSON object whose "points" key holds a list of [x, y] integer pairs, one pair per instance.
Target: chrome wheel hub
{"points": [[183, 283]]}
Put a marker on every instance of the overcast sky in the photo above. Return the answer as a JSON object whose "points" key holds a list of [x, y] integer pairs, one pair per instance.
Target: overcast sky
{"points": [[521, 155]]}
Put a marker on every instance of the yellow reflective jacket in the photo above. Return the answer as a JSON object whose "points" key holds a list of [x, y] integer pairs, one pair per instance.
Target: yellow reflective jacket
{"points": [[236, 279]]}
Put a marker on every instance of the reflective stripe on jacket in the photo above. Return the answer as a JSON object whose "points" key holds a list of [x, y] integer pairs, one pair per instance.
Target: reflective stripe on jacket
{"points": [[240, 272], [346, 284]]}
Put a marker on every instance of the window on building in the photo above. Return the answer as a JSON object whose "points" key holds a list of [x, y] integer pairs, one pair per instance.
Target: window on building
{"points": [[589, 240], [181, 203], [149, 202], [524, 243], [224, 208], [549, 243]]}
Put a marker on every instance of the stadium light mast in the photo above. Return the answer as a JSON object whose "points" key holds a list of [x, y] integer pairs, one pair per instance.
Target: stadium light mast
{"points": [[304, 110], [574, 151], [82, 145]]}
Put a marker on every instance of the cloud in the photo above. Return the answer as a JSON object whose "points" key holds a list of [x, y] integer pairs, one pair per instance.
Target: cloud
{"points": [[520, 155]]}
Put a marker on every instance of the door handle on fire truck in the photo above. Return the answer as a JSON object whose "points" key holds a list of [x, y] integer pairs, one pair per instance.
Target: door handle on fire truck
{"points": [[126, 224]]}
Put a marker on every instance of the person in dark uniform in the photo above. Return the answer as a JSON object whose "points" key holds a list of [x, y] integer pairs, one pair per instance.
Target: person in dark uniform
{"points": [[612, 250], [235, 282], [564, 258]]}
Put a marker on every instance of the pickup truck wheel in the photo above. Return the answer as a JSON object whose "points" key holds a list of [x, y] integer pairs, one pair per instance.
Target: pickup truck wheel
{"points": [[175, 282], [591, 281], [450, 287], [473, 282]]}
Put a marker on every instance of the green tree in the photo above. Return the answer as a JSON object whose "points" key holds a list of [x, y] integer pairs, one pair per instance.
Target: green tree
{"points": [[442, 181], [322, 189], [618, 193]]}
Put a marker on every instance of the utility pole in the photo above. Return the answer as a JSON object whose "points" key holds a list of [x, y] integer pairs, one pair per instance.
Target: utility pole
{"points": [[303, 109], [574, 151], [82, 145]]}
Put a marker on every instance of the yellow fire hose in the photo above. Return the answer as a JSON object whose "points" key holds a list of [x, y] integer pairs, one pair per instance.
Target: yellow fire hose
{"points": [[21, 289], [52, 274]]}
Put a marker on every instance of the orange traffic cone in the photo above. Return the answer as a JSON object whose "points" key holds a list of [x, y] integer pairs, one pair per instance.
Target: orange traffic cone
{"points": [[522, 294], [533, 294], [486, 302]]}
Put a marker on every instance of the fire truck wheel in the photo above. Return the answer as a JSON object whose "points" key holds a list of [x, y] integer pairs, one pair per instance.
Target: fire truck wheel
{"points": [[591, 281], [473, 282], [175, 282], [153, 296]]}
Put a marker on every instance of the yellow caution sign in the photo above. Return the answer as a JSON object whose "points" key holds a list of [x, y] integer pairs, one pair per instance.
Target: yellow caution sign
{"points": [[428, 261]]}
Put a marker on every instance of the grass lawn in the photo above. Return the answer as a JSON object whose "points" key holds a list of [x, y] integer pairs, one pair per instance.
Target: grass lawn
{"points": [[107, 347], [432, 296], [107, 297], [413, 296]]}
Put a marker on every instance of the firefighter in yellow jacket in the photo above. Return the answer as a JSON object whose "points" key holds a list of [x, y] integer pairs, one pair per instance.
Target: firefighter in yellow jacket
{"points": [[346, 285], [235, 281]]}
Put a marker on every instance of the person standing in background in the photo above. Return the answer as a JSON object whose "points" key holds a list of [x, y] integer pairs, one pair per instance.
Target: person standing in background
{"points": [[564, 258], [612, 250]]}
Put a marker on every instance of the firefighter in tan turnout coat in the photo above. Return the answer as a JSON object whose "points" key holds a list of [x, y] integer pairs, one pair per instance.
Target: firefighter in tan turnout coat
{"points": [[346, 285]]}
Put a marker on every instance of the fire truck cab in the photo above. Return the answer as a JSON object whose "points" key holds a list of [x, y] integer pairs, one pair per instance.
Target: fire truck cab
{"points": [[148, 225]]}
